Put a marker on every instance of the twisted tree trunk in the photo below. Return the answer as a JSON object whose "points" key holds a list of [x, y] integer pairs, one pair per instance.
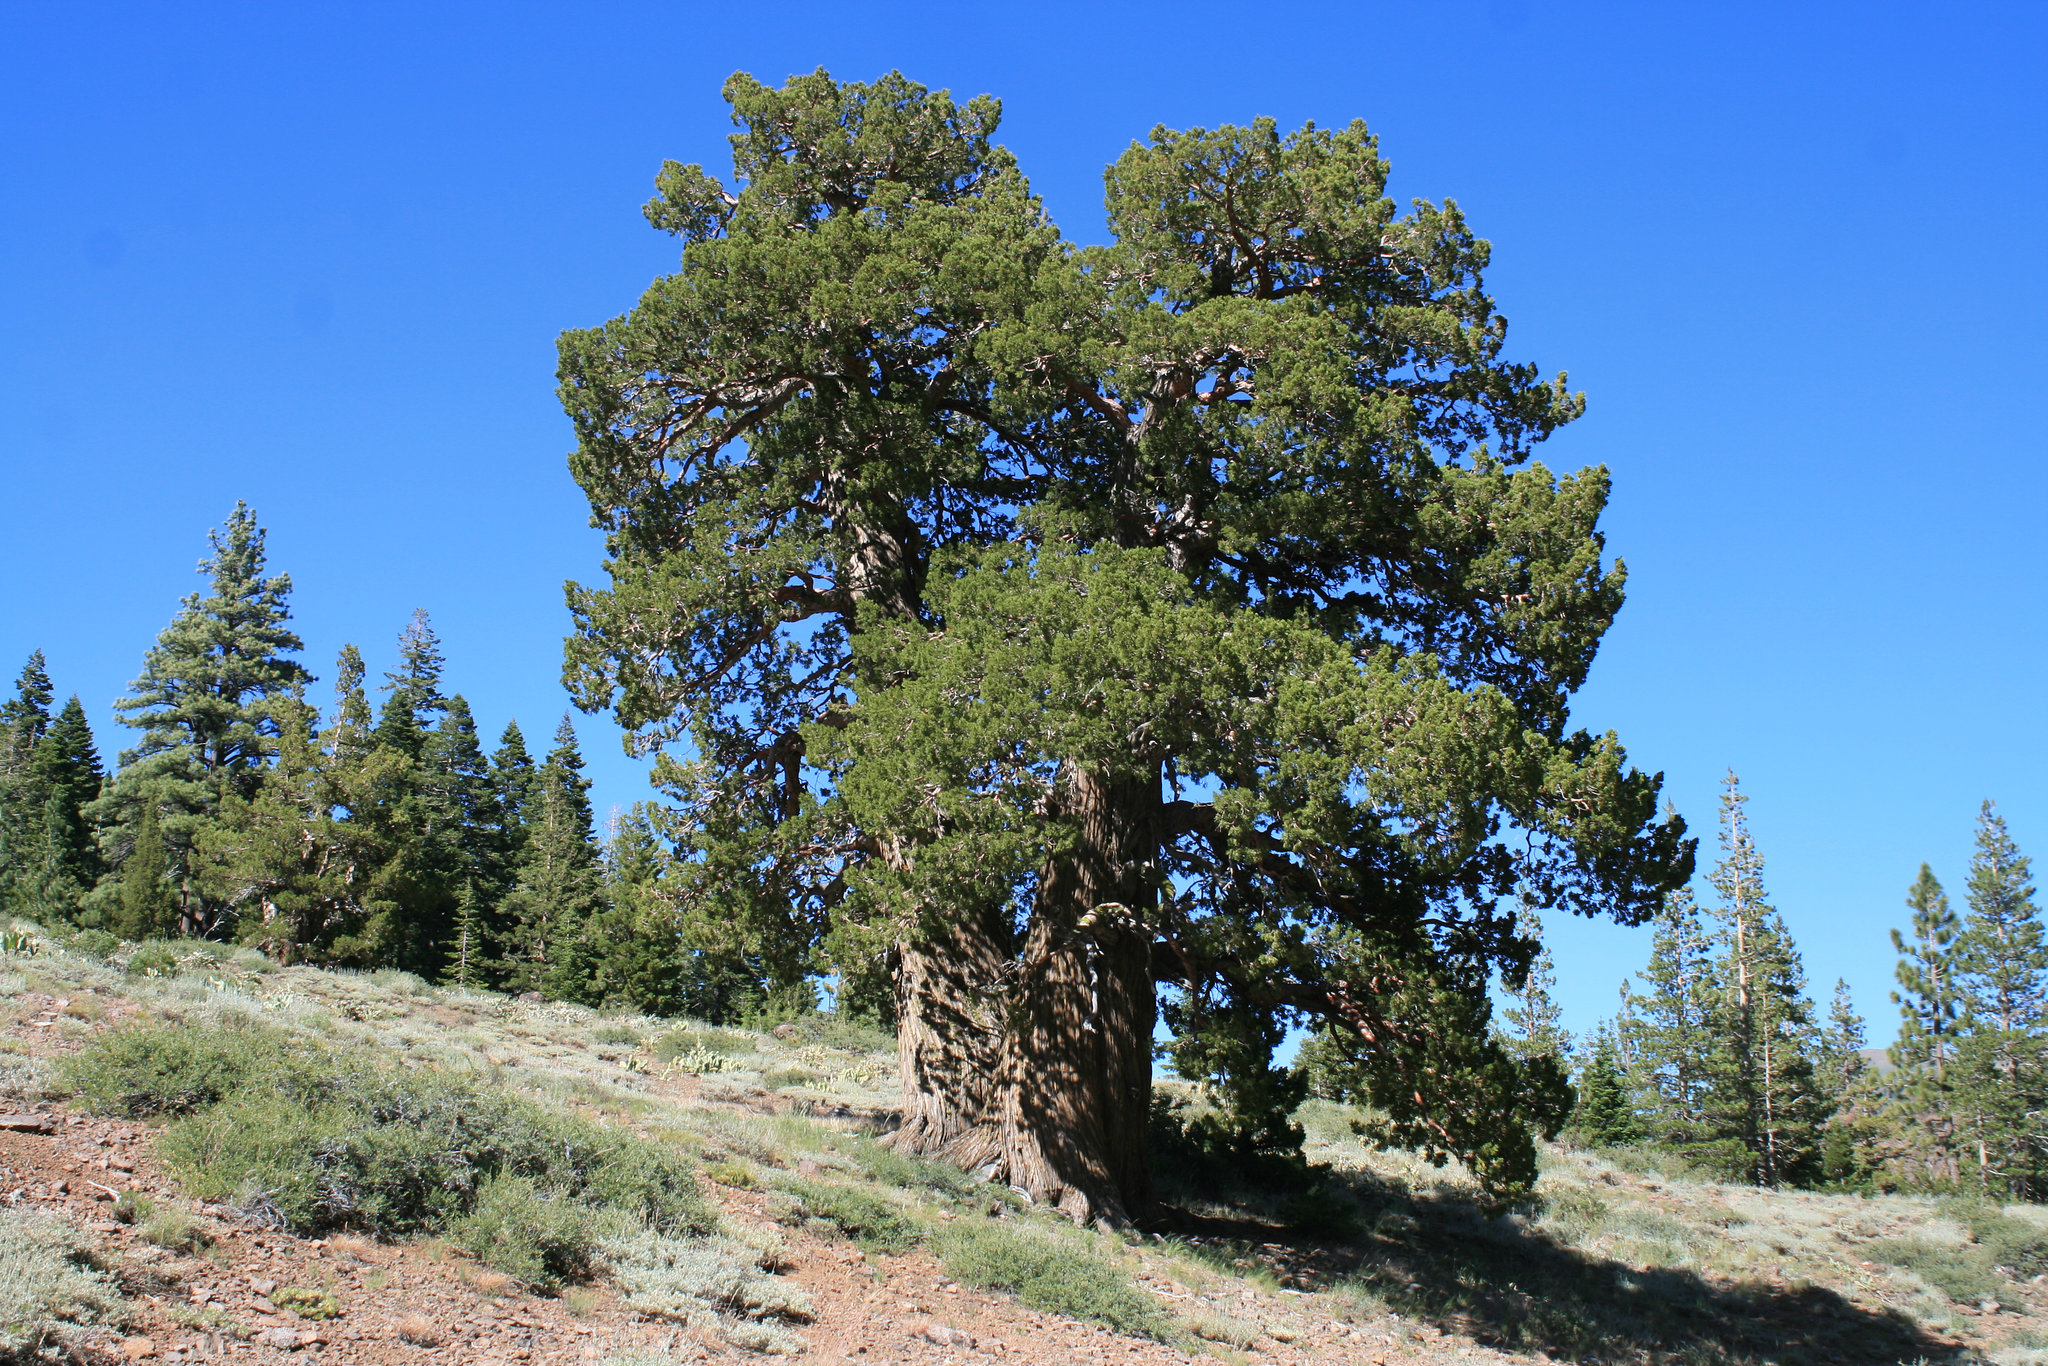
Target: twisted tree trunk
{"points": [[1035, 1068]]}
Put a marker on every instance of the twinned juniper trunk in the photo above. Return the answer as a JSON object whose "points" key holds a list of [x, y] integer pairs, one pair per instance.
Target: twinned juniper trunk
{"points": [[1035, 1067]]}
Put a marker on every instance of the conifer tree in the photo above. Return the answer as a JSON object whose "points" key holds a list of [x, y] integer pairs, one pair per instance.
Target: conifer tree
{"points": [[2002, 961], [1534, 1025], [467, 945], [416, 684], [558, 886], [1668, 1026], [1762, 1094], [1606, 1115], [207, 704], [61, 859], [149, 905], [273, 859], [24, 719], [1061, 626], [1924, 1080]]}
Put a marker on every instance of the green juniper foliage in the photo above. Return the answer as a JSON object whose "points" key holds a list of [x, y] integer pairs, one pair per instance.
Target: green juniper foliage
{"points": [[1048, 622]]}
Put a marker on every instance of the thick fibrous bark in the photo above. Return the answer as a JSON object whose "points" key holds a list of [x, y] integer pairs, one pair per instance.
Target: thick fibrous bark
{"points": [[1054, 1098]]}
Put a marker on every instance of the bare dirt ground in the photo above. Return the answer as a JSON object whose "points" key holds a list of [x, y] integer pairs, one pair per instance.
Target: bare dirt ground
{"points": [[1749, 1277]]}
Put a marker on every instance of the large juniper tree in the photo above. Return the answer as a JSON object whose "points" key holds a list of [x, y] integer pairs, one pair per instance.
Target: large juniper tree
{"points": [[1047, 624]]}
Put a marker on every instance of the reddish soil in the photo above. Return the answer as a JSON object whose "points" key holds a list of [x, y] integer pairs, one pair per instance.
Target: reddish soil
{"points": [[423, 1303]]}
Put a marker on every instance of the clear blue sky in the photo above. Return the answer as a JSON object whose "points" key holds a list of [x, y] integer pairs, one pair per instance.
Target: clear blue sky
{"points": [[317, 256]]}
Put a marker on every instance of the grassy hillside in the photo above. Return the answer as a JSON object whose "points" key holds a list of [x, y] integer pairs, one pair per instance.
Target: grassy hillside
{"points": [[431, 1174]]}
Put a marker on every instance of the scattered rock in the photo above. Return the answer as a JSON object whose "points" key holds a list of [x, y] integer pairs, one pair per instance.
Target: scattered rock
{"points": [[26, 1124], [808, 1167], [944, 1336], [135, 1349], [121, 1164], [262, 1285], [287, 1338]]}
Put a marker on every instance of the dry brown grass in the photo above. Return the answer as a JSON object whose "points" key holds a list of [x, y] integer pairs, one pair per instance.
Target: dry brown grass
{"points": [[492, 1283], [418, 1330]]}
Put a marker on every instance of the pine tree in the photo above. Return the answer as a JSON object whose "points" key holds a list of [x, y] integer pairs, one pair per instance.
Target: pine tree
{"points": [[272, 859], [416, 684], [207, 704], [2002, 961], [1534, 1023], [1924, 1081], [149, 905], [24, 719], [1842, 1076], [1668, 1027], [1606, 1115], [1761, 1094], [558, 886], [62, 855], [467, 946]]}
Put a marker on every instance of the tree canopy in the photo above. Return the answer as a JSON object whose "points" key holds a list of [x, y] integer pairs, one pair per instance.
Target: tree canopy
{"points": [[1049, 623]]}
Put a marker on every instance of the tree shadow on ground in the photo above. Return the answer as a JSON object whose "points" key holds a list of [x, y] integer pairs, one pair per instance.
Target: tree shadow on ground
{"points": [[1502, 1283]]}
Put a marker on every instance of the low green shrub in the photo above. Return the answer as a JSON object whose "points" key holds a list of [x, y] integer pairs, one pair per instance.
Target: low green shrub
{"points": [[892, 1168], [782, 1078], [153, 960], [310, 1139], [679, 1043], [863, 1216], [1961, 1273], [173, 1070], [307, 1304], [94, 944], [616, 1033], [532, 1234], [172, 1228], [1222, 1328], [1048, 1271]]}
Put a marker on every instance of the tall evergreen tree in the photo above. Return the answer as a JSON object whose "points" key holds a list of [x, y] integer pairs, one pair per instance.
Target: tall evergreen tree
{"points": [[62, 858], [1843, 1078], [558, 887], [416, 683], [1762, 1094], [24, 719], [1534, 1024], [1924, 1078], [207, 704], [1605, 1115], [2002, 961], [1669, 1026], [149, 905], [1059, 626]]}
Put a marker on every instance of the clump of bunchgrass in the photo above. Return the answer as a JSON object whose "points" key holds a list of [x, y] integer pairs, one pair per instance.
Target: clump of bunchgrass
{"points": [[172, 1228], [1048, 1271]]}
